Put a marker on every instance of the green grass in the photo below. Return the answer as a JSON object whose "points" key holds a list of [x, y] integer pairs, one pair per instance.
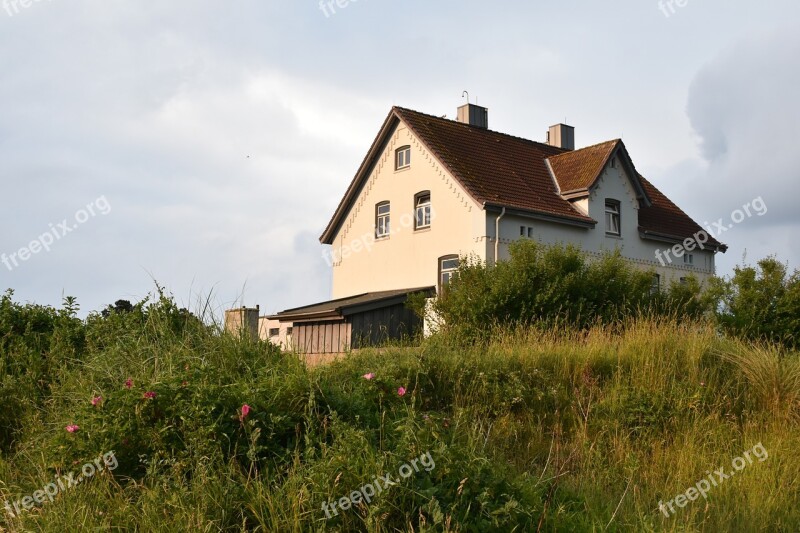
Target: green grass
{"points": [[550, 431]]}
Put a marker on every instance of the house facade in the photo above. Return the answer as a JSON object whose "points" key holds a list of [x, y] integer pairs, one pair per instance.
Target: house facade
{"points": [[431, 191]]}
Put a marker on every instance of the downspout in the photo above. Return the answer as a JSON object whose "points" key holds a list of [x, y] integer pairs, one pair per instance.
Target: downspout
{"points": [[497, 235]]}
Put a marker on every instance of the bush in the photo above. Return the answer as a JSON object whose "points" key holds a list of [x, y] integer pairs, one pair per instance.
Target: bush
{"points": [[762, 303], [549, 285]]}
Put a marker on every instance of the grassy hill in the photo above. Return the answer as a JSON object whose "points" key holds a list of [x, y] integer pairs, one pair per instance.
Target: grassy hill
{"points": [[186, 429]]}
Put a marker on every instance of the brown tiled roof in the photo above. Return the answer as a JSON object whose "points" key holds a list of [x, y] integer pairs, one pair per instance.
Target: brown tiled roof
{"points": [[495, 168], [500, 170], [664, 218], [341, 306], [579, 169]]}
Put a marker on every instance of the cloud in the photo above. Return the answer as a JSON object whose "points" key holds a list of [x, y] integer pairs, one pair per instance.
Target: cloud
{"points": [[743, 106]]}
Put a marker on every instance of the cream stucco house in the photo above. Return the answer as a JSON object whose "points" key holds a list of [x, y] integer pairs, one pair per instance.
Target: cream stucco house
{"points": [[432, 190]]}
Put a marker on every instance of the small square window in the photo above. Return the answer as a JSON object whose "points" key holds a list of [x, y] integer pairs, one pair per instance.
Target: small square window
{"points": [[274, 332], [688, 259], [403, 158], [289, 330]]}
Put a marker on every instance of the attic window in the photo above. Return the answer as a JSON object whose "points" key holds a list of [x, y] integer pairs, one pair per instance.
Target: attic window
{"points": [[613, 226], [402, 157], [613, 162]]}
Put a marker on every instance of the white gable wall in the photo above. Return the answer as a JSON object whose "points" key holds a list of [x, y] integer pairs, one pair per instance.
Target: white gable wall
{"points": [[408, 258], [613, 184]]}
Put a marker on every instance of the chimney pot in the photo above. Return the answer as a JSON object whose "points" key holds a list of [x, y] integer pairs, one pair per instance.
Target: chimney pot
{"points": [[474, 115], [562, 136]]}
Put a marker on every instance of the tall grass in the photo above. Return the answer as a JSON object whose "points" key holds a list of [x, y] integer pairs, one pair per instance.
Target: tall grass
{"points": [[549, 430]]}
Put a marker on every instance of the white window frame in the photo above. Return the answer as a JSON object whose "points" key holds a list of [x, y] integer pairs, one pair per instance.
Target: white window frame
{"points": [[422, 210], [452, 263], [382, 220], [613, 214], [402, 158]]}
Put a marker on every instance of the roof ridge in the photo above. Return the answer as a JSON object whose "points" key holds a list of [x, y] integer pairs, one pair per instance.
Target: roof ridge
{"points": [[516, 137], [615, 141]]}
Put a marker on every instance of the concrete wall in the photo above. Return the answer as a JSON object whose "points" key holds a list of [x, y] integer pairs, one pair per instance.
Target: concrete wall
{"points": [[242, 321], [283, 339], [408, 258]]}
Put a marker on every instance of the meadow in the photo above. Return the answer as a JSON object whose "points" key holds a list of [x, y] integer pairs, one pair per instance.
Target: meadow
{"points": [[536, 429]]}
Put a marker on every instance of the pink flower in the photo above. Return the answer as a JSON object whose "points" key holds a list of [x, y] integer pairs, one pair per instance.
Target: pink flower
{"points": [[369, 376], [245, 411], [72, 428], [150, 395], [128, 383], [96, 400], [401, 391]]}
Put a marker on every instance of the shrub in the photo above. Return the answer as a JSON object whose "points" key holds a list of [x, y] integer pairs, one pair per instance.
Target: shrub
{"points": [[762, 302], [550, 285]]}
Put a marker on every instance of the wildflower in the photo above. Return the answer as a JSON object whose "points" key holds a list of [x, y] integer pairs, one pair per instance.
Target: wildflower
{"points": [[128, 383], [245, 411], [702, 383], [150, 395], [72, 428], [96, 400], [401, 391], [369, 376], [184, 383]]}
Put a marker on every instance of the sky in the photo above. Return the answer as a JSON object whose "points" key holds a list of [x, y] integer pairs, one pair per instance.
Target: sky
{"points": [[204, 146]]}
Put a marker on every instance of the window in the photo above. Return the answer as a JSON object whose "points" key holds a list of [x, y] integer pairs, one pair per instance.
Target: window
{"points": [[655, 288], [448, 267], [612, 218], [526, 231], [402, 158], [382, 220], [289, 330], [688, 259], [274, 332], [422, 210]]}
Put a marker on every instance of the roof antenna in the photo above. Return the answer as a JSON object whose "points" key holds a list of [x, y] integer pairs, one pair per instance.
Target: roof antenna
{"points": [[465, 93]]}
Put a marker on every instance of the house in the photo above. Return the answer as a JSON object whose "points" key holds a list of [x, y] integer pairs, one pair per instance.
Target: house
{"points": [[432, 190]]}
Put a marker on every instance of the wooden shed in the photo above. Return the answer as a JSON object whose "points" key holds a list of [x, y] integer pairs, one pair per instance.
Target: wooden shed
{"points": [[337, 326]]}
